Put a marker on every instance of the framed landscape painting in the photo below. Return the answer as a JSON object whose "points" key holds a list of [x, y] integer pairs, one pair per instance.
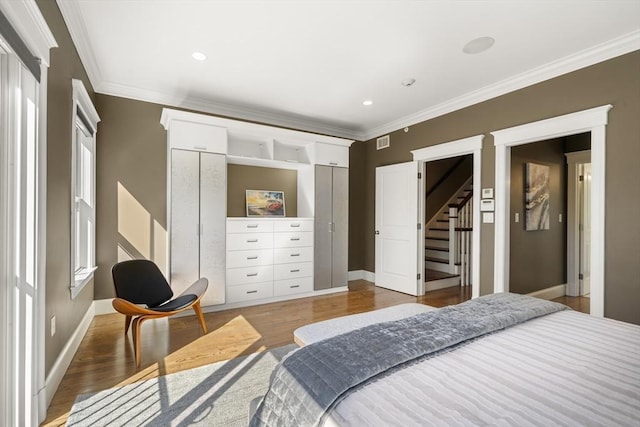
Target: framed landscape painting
{"points": [[536, 193], [265, 203]]}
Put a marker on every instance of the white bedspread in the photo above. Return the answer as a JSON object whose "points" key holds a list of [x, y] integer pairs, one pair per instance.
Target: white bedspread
{"points": [[566, 369]]}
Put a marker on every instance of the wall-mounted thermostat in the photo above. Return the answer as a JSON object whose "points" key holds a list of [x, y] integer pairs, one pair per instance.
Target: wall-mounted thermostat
{"points": [[487, 205], [487, 193]]}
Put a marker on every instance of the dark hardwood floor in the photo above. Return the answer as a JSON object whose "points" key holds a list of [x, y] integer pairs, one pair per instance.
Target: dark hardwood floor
{"points": [[105, 356]]}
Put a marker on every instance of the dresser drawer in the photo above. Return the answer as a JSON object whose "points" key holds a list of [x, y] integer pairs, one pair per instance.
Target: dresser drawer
{"points": [[250, 258], [245, 241], [249, 226], [293, 225], [292, 271], [289, 255], [249, 292], [293, 239], [257, 274], [292, 286]]}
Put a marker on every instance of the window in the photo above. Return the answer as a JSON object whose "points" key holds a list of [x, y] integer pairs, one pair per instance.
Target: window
{"points": [[19, 239], [83, 177]]}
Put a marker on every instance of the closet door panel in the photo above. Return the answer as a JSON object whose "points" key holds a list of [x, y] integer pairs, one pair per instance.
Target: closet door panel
{"points": [[322, 238], [340, 235], [185, 239], [213, 219]]}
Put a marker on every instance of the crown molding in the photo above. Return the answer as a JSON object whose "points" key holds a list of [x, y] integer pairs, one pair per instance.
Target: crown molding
{"points": [[27, 20], [72, 16], [225, 110], [602, 52]]}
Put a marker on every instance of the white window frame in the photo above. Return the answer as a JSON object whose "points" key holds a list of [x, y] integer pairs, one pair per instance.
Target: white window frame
{"points": [[83, 247]]}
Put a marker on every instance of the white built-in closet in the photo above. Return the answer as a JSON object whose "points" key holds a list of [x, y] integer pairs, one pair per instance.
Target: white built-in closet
{"points": [[203, 242]]}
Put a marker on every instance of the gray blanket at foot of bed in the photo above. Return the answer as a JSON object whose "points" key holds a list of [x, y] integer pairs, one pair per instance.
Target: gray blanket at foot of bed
{"points": [[308, 383]]}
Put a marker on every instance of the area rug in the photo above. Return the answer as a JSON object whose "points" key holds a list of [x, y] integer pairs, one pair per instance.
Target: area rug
{"points": [[213, 395]]}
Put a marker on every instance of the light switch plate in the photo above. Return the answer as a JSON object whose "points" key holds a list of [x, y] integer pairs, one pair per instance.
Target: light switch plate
{"points": [[487, 217]]}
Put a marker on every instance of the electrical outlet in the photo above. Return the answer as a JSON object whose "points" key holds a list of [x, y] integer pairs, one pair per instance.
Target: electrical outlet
{"points": [[53, 325]]}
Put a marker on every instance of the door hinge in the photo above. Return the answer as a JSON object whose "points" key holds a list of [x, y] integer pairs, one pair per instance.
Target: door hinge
{"points": [[419, 175], [419, 226], [581, 276], [418, 276], [581, 178]]}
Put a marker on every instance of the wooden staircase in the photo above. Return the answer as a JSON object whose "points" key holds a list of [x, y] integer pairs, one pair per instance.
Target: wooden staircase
{"points": [[443, 268]]}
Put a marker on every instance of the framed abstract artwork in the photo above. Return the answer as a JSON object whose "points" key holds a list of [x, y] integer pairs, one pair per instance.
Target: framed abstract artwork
{"points": [[536, 194]]}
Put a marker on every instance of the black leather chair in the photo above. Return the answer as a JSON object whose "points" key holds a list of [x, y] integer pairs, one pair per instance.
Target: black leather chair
{"points": [[143, 293]]}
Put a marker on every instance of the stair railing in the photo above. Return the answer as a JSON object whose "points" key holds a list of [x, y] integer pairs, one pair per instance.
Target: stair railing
{"points": [[460, 233]]}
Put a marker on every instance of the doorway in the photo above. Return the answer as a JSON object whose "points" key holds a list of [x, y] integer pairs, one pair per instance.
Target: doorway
{"points": [[579, 177], [413, 270], [594, 122]]}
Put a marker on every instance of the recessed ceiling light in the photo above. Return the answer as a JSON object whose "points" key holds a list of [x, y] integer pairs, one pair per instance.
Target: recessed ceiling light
{"points": [[408, 82], [198, 56], [478, 45], [367, 102]]}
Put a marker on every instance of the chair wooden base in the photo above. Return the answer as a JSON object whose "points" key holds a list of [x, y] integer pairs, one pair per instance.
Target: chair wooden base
{"points": [[136, 316]]}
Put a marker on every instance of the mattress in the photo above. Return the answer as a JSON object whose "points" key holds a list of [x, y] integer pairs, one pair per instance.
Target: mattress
{"points": [[564, 369], [329, 328]]}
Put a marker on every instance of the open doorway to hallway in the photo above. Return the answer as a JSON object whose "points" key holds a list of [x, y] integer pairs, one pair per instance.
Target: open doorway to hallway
{"points": [[448, 222], [549, 222]]}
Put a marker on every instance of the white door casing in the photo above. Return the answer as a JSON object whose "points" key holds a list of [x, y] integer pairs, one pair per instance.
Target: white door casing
{"points": [[471, 145], [594, 121], [396, 239]]}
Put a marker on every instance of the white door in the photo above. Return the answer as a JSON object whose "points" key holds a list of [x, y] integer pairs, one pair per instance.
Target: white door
{"points": [[213, 220], [185, 219], [585, 230], [397, 231]]}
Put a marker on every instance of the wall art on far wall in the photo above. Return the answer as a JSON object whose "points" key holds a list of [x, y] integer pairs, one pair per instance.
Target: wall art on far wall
{"points": [[536, 193], [265, 203]]}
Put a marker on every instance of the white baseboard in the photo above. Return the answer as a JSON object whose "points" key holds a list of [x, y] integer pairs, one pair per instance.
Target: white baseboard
{"points": [[362, 275], [550, 293], [59, 368], [229, 306], [104, 306]]}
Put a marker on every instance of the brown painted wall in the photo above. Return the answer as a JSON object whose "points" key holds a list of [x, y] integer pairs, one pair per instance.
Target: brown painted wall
{"points": [[615, 82], [65, 65], [356, 204], [131, 186], [241, 178], [538, 259]]}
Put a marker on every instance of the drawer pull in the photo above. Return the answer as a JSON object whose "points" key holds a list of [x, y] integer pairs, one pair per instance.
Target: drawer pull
{"points": [[294, 225], [252, 240], [252, 257], [252, 274], [252, 225], [294, 255], [252, 292], [333, 163], [295, 271], [294, 286], [295, 239]]}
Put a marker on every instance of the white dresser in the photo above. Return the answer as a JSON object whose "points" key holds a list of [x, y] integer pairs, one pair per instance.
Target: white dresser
{"points": [[268, 257]]}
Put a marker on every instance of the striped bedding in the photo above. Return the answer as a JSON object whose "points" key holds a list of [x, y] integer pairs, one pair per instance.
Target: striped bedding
{"points": [[566, 369]]}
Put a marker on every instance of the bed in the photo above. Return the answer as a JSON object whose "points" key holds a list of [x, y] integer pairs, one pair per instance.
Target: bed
{"points": [[503, 359]]}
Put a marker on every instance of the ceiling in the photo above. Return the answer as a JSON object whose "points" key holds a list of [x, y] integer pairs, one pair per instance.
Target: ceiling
{"points": [[310, 64]]}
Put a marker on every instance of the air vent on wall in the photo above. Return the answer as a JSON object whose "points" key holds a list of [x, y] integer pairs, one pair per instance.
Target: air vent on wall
{"points": [[382, 142]]}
